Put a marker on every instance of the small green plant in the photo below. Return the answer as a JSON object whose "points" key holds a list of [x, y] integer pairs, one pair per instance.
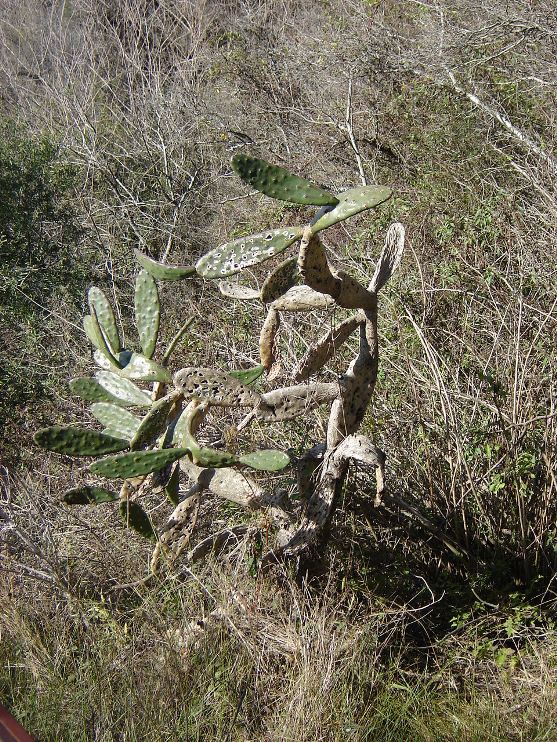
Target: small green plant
{"points": [[149, 438]]}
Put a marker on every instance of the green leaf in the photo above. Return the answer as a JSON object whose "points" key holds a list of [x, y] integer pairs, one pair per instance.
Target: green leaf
{"points": [[88, 495], [77, 441], [134, 516], [265, 460], [277, 182], [246, 251], [162, 271], [249, 375], [100, 306], [122, 423], [352, 202], [147, 312], [136, 463]]}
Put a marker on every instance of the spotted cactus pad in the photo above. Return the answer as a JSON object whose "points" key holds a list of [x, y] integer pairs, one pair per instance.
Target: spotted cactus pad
{"points": [[234, 256]]}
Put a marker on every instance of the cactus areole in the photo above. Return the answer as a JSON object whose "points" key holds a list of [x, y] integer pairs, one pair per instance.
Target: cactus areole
{"points": [[152, 418]]}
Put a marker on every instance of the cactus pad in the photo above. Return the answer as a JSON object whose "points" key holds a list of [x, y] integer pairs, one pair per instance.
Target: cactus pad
{"points": [[280, 280], [136, 463], [121, 423], [233, 290], [352, 202], [92, 391], [100, 306], [77, 441], [249, 375], [210, 458], [245, 251], [172, 487], [278, 183], [125, 391], [154, 422], [265, 460], [162, 271], [87, 495], [216, 387], [147, 312], [134, 516], [141, 368]]}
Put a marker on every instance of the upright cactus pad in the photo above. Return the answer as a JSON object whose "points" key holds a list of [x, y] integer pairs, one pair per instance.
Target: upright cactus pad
{"points": [[352, 202], [136, 463], [278, 183], [216, 387], [147, 312], [246, 251], [100, 306], [390, 257], [78, 441], [154, 421], [162, 271]]}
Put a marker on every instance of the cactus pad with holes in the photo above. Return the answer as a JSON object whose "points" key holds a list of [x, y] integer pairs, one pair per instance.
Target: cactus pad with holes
{"points": [[246, 251]]}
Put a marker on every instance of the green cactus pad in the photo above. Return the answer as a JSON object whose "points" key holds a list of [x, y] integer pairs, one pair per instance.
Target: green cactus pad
{"points": [[87, 495], [92, 391], [136, 463], [249, 375], [77, 441], [280, 280], [265, 460], [147, 312], [278, 183], [99, 305], [134, 516], [121, 423], [124, 391], [109, 363], [140, 368], [216, 387], [162, 271], [245, 251], [172, 488], [351, 202], [102, 344], [210, 458], [154, 422]]}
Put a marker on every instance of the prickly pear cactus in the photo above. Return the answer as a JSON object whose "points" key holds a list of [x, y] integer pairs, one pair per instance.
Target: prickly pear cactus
{"points": [[152, 419]]}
